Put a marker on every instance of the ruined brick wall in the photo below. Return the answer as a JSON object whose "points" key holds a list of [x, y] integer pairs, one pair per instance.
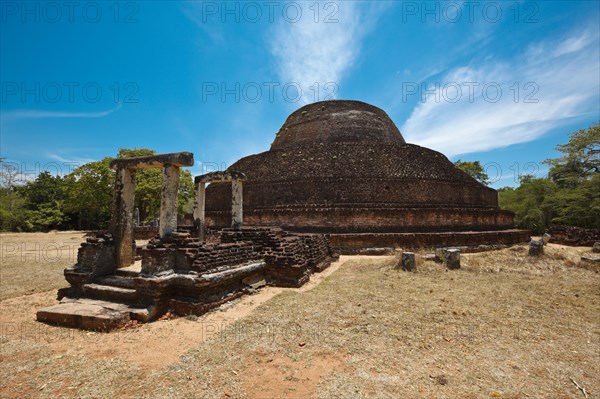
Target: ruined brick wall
{"points": [[575, 236], [354, 243], [365, 220], [290, 257], [144, 232], [218, 257]]}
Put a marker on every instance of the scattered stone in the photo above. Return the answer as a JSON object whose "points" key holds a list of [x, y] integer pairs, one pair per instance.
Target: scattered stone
{"points": [[376, 251], [588, 258], [408, 261], [536, 248], [570, 235], [596, 247], [429, 257], [452, 258], [518, 248], [439, 255], [546, 238]]}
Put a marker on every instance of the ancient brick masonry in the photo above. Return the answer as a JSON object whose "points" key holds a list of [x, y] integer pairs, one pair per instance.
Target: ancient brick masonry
{"points": [[180, 271], [570, 235], [182, 274], [290, 258], [342, 168]]}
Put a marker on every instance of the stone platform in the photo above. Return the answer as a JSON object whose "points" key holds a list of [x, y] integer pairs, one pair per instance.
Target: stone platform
{"points": [[347, 244], [181, 274]]}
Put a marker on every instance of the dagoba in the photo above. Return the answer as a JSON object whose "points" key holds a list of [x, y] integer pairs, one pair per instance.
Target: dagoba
{"points": [[343, 168]]}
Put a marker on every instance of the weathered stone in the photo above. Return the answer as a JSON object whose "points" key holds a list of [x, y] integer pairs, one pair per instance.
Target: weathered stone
{"points": [[168, 200], [588, 258], [440, 255], [536, 248], [546, 238], [342, 168], [408, 261], [177, 159], [452, 258], [430, 257], [236, 179], [596, 247], [87, 316], [181, 272], [122, 217], [571, 235]]}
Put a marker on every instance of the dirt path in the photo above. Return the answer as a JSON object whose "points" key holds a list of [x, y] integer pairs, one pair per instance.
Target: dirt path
{"points": [[150, 346]]}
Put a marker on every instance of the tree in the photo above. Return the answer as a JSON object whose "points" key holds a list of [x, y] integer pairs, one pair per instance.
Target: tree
{"points": [[89, 193], [12, 205], [45, 189], [581, 159], [473, 169], [571, 193]]}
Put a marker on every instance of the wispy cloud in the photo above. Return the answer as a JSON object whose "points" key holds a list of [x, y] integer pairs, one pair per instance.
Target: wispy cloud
{"points": [[77, 161], [44, 114], [320, 48], [552, 83]]}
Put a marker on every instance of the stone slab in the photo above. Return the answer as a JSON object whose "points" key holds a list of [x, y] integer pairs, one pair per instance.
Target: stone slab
{"points": [[154, 161], [110, 293], [87, 316], [595, 259]]}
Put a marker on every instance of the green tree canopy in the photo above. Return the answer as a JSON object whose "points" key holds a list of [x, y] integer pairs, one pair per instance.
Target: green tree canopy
{"points": [[473, 169], [571, 193], [90, 191]]}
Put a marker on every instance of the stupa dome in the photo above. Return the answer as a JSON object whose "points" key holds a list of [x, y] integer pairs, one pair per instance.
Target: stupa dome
{"points": [[335, 122], [343, 167]]}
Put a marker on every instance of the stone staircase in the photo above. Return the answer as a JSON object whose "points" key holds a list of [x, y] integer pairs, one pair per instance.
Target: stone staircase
{"points": [[107, 303]]}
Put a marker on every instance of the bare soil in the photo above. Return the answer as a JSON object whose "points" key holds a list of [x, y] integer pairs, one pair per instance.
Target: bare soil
{"points": [[503, 326]]}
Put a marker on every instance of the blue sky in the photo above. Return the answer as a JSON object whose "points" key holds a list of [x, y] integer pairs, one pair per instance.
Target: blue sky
{"points": [[500, 82]]}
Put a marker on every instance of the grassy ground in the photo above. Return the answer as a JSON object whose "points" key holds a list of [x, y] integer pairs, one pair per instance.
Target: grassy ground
{"points": [[33, 262], [504, 326]]}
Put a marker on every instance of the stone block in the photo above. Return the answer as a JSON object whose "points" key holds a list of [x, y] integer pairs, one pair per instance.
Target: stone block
{"points": [[536, 248], [596, 247], [546, 238], [452, 258], [408, 261]]}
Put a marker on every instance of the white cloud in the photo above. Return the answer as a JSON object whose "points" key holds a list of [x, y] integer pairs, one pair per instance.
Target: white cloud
{"points": [[562, 76], [42, 114], [312, 50]]}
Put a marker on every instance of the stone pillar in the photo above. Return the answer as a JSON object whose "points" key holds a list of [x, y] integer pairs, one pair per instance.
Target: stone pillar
{"points": [[168, 200], [121, 225], [200, 208], [408, 261], [452, 258], [536, 248], [136, 217], [236, 204]]}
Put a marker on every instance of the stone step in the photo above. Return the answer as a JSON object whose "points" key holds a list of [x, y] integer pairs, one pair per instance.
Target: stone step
{"points": [[127, 273], [110, 293], [116, 281], [91, 314], [136, 312]]}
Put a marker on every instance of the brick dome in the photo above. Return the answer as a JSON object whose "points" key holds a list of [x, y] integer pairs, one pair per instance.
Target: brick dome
{"points": [[344, 167], [337, 121]]}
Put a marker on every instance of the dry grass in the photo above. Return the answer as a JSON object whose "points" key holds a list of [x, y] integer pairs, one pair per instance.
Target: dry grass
{"points": [[504, 326], [33, 262]]}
